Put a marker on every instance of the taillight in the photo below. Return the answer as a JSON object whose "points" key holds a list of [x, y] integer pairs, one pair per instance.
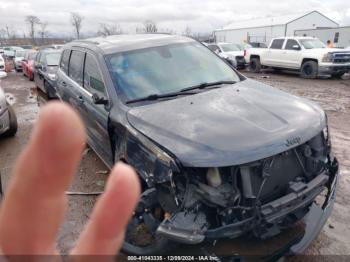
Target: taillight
{"points": [[245, 52]]}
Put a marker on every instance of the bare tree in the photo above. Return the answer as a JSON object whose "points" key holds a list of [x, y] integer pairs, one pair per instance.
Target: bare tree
{"points": [[106, 30], [2, 33], [188, 31], [11, 33], [32, 21], [77, 20], [43, 32], [150, 27]]}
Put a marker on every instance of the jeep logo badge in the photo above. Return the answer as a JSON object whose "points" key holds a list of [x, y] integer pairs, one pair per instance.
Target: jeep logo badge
{"points": [[293, 141]]}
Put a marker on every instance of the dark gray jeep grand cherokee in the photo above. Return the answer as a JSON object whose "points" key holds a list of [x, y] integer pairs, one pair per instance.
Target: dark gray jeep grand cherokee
{"points": [[219, 156]]}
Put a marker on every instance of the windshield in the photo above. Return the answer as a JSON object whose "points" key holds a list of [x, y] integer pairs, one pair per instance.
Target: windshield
{"points": [[53, 59], [312, 43], [20, 53], [230, 47], [166, 69]]}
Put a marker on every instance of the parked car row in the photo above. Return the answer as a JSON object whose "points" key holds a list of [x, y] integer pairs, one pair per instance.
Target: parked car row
{"points": [[232, 53], [307, 55], [216, 159]]}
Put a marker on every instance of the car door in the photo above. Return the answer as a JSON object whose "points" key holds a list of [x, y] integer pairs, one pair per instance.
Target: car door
{"points": [[39, 77], [41, 68], [273, 56], [73, 84], [97, 113], [292, 55]]}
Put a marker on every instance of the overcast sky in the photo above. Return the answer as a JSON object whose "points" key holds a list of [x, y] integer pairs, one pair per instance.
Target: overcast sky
{"points": [[200, 15]]}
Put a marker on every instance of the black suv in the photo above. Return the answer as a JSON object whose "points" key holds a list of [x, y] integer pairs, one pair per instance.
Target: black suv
{"points": [[219, 156]]}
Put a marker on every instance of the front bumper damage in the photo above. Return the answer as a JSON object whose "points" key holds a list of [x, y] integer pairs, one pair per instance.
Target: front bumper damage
{"points": [[301, 196], [333, 69]]}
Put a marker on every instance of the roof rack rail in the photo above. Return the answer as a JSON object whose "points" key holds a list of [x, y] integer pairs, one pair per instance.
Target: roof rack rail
{"points": [[85, 41]]}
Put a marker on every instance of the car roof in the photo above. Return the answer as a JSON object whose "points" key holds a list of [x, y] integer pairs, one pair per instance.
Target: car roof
{"points": [[122, 43]]}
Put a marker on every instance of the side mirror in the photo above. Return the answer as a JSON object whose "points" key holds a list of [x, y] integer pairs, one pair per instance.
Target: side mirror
{"points": [[38, 67], [296, 47], [99, 100]]}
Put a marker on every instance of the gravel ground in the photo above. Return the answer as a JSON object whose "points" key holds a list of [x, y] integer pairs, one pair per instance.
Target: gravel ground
{"points": [[332, 95]]}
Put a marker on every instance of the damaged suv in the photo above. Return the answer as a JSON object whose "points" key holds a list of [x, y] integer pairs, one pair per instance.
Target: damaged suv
{"points": [[219, 156]]}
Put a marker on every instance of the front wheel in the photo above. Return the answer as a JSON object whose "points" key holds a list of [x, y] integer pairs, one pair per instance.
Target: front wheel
{"points": [[255, 65], [338, 75], [49, 91], [141, 237], [309, 70], [13, 123]]}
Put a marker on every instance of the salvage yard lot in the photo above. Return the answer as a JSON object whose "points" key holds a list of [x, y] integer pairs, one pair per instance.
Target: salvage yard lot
{"points": [[332, 95]]}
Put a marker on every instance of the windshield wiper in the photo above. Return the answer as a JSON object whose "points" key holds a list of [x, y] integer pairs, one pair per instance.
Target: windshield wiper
{"points": [[205, 85], [157, 96]]}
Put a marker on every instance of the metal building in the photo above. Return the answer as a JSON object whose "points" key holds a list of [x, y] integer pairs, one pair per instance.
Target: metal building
{"points": [[263, 29], [340, 36]]}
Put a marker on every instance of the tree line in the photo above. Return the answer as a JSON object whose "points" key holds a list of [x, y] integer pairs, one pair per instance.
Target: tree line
{"points": [[38, 29]]}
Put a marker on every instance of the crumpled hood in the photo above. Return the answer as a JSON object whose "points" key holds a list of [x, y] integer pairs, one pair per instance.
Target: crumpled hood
{"points": [[231, 125]]}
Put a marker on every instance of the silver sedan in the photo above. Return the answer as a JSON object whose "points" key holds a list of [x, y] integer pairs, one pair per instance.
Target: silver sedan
{"points": [[8, 119]]}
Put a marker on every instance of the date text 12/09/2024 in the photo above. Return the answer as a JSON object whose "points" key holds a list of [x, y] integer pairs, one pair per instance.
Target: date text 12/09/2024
{"points": [[172, 258]]}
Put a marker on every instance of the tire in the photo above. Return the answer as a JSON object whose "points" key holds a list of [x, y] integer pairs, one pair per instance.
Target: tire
{"points": [[338, 75], [13, 123], [49, 91], [255, 65], [160, 245], [309, 70]]}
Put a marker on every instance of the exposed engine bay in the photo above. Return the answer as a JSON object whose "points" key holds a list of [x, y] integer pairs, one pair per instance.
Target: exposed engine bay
{"points": [[259, 199], [262, 197]]}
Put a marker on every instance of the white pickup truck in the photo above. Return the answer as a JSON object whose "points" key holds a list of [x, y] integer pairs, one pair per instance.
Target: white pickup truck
{"points": [[307, 55]]}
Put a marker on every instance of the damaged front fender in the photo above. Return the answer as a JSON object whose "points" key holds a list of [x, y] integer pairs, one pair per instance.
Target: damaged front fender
{"points": [[151, 162]]}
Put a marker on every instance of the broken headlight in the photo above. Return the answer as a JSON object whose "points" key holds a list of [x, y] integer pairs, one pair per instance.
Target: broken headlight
{"points": [[157, 165]]}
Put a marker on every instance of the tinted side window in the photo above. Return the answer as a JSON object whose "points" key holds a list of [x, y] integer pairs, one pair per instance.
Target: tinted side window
{"points": [[65, 61], [277, 44], [93, 81], [290, 44], [76, 66]]}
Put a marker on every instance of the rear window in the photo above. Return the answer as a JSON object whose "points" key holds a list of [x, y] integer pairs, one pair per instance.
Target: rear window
{"points": [[76, 66], [290, 43], [65, 61], [277, 44]]}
